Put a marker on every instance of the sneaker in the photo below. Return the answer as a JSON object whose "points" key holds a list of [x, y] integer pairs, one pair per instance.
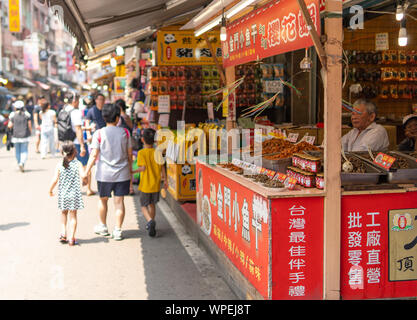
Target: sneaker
{"points": [[117, 234], [102, 230], [22, 168], [151, 228]]}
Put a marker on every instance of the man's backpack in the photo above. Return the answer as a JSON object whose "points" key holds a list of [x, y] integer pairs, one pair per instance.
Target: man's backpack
{"points": [[20, 125], [65, 131]]}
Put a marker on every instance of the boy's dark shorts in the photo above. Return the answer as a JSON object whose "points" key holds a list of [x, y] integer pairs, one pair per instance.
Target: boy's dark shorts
{"points": [[120, 189], [148, 198]]}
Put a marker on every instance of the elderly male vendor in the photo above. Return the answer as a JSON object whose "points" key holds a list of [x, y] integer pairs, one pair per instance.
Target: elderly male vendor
{"points": [[365, 133]]}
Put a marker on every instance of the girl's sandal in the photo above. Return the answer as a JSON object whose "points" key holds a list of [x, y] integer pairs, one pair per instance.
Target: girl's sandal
{"points": [[72, 242], [63, 239]]}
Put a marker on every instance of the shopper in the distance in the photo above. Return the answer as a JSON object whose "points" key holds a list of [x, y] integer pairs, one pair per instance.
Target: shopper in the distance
{"points": [[21, 126]]}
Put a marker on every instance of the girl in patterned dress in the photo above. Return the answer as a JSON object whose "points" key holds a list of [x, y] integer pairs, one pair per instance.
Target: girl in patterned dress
{"points": [[67, 176]]}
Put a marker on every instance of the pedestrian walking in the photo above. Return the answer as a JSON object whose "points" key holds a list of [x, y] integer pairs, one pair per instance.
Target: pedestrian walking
{"points": [[49, 122], [68, 177], [19, 122], [125, 122], [150, 179], [70, 127], [94, 116], [37, 122], [112, 149]]}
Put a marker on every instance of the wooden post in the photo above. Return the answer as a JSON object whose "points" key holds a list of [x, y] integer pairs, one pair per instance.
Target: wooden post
{"points": [[332, 146]]}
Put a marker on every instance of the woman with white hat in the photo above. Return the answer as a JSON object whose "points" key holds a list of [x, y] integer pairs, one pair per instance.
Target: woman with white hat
{"points": [[21, 125]]}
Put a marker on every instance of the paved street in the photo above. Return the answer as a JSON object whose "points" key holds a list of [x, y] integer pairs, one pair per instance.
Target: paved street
{"points": [[34, 265]]}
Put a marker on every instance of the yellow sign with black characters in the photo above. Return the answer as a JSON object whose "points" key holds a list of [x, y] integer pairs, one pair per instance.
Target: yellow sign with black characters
{"points": [[181, 48], [402, 244], [14, 15]]}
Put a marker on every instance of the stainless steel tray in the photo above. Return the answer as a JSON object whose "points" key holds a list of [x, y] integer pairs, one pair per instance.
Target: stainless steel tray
{"points": [[399, 175], [373, 174]]}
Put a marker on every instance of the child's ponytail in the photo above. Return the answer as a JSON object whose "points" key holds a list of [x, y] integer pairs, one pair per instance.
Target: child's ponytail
{"points": [[68, 150]]}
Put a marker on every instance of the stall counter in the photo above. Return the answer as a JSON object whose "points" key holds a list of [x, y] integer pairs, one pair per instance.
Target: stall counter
{"points": [[275, 239]]}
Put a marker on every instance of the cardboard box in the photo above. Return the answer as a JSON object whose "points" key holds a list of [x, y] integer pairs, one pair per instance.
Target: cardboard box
{"points": [[181, 181]]}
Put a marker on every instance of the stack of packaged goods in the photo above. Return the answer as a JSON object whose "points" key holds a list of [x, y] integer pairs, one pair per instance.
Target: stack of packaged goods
{"points": [[262, 81], [190, 86]]}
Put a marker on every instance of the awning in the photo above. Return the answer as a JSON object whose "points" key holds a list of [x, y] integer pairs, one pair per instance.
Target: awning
{"points": [[19, 91], [95, 22], [107, 76], [57, 82], [42, 85], [28, 83]]}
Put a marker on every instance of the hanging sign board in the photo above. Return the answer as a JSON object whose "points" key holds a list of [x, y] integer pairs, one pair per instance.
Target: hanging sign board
{"points": [[176, 47], [14, 15], [273, 29]]}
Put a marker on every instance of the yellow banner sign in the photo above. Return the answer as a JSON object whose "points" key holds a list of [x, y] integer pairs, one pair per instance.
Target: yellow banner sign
{"points": [[14, 15], [176, 47], [402, 244]]}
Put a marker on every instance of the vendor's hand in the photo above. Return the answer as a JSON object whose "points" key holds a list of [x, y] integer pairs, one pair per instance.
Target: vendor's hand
{"points": [[83, 152]]}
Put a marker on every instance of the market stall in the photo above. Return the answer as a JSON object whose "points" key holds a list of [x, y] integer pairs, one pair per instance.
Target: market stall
{"points": [[267, 219]]}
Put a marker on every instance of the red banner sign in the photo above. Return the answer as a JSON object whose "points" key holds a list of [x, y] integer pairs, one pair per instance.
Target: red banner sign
{"points": [[237, 221], [273, 29], [371, 224]]}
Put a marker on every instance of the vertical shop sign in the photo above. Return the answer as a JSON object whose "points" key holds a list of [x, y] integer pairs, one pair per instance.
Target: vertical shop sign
{"points": [[14, 15], [31, 54], [297, 248], [70, 62], [402, 245], [270, 30], [237, 221]]}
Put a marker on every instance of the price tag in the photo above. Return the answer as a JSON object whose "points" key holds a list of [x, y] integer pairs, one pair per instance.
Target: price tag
{"points": [[290, 183], [270, 173], [280, 177], [385, 161], [164, 120], [308, 139], [273, 86], [210, 110], [164, 104], [293, 137]]}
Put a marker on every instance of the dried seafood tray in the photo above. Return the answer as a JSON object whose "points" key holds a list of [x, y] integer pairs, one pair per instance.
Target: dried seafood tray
{"points": [[404, 169], [363, 172]]}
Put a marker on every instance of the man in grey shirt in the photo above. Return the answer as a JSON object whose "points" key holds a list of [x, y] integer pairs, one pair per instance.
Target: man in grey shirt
{"points": [[112, 149]]}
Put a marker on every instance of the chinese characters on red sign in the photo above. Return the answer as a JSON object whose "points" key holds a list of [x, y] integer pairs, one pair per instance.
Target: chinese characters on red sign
{"points": [[297, 248], [273, 29], [365, 241], [236, 219]]}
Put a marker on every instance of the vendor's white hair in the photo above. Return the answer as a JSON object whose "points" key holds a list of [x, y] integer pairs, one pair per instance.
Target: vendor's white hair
{"points": [[369, 106]]}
